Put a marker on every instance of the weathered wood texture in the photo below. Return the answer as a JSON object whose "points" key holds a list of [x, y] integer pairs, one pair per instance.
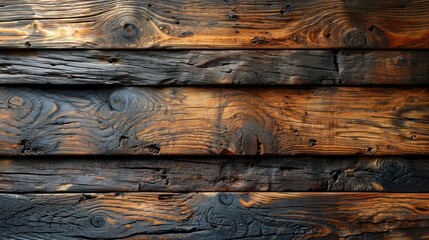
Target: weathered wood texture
{"points": [[215, 216], [214, 24], [274, 67], [174, 174], [247, 121]]}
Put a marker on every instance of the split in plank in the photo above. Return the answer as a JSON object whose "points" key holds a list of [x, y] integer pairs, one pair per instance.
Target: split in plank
{"points": [[127, 174], [214, 24], [211, 121], [258, 67], [215, 216]]}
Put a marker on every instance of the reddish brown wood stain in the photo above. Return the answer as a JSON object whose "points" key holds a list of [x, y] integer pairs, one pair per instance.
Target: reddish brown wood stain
{"points": [[218, 215], [202, 24], [104, 133], [213, 121]]}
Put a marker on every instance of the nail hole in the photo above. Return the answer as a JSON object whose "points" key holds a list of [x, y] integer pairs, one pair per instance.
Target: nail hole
{"points": [[286, 9], [231, 16], [371, 150]]}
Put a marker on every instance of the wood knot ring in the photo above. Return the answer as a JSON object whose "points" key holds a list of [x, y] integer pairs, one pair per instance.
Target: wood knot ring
{"points": [[16, 101], [117, 102], [250, 144], [124, 30], [226, 199], [355, 39], [98, 221]]}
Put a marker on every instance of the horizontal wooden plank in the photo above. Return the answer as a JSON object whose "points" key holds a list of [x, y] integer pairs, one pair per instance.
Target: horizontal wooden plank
{"points": [[215, 216], [127, 174], [214, 24], [273, 67], [195, 121]]}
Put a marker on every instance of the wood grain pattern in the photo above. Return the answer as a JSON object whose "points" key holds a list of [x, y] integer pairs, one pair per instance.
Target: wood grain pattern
{"points": [[247, 121], [214, 24], [215, 216], [177, 174], [287, 67]]}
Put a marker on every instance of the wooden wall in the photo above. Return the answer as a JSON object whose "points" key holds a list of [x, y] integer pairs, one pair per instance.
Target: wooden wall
{"points": [[210, 119]]}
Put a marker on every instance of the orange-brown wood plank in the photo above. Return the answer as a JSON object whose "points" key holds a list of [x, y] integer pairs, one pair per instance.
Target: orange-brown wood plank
{"points": [[214, 24], [190, 174], [204, 67], [215, 216], [212, 121]]}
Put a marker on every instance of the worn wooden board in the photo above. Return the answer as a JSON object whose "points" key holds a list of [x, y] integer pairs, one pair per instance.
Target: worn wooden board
{"points": [[173, 174], [211, 121], [215, 216], [272, 67], [214, 24]]}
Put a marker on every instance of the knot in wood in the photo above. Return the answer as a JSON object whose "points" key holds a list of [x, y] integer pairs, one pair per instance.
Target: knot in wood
{"points": [[118, 101], [97, 221], [124, 30], [16, 101], [131, 31], [401, 61], [250, 144], [355, 39], [393, 168], [226, 199]]}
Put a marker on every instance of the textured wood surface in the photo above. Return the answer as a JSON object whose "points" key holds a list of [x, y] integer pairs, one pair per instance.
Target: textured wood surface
{"points": [[215, 216], [246, 121], [214, 24], [273, 67], [173, 174]]}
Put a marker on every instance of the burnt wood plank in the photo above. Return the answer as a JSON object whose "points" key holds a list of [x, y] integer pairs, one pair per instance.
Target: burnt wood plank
{"points": [[210, 121], [215, 216], [214, 24], [274, 67], [127, 174]]}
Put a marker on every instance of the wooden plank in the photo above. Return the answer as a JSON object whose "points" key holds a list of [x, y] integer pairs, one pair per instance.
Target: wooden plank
{"points": [[266, 174], [273, 67], [214, 24], [215, 216], [210, 121]]}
